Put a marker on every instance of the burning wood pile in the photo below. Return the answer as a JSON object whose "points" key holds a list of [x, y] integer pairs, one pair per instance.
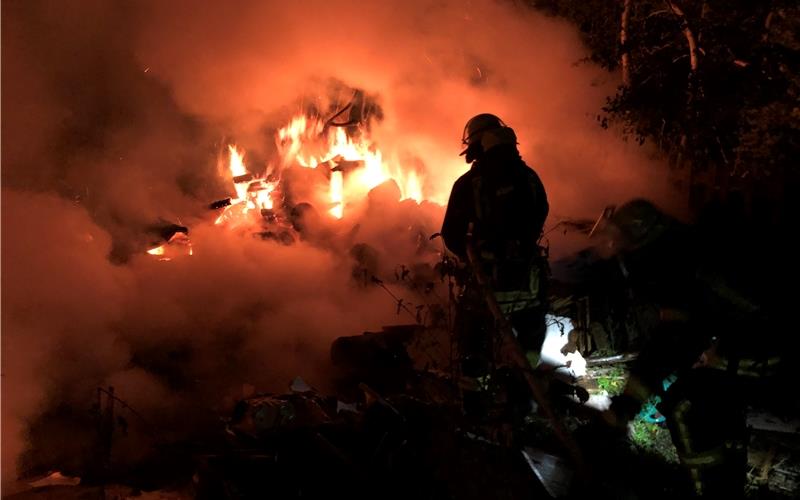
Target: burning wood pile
{"points": [[324, 164]]}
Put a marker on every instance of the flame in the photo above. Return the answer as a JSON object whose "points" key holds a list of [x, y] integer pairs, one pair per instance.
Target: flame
{"points": [[263, 198], [413, 190], [348, 156], [236, 163], [178, 244], [157, 250], [238, 170], [362, 166], [252, 192], [337, 188], [294, 139], [355, 164]]}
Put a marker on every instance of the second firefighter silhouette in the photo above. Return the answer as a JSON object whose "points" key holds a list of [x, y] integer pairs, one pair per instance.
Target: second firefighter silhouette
{"points": [[502, 203]]}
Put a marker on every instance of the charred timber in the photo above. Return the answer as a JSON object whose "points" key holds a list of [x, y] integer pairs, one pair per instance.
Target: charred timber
{"points": [[220, 204], [243, 178]]}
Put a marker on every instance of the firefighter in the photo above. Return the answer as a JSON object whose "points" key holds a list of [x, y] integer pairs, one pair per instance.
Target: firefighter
{"points": [[704, 335], [502, 203]]}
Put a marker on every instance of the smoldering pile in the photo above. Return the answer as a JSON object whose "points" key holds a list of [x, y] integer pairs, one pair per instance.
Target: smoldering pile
{"points": [[188, 313]]}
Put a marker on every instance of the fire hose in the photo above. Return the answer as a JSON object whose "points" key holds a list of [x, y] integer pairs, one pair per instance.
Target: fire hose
{"points": [[517, 356]]}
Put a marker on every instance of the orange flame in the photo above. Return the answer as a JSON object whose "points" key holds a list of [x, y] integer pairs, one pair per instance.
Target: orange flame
{"points": [[413, 185], [252, 193], [178, 244], [304, 142], [337, 188], [356, 164], [157, 250], [237, 168]]}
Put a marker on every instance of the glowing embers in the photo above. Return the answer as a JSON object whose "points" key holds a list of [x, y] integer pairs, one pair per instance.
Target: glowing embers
{"points": [[253, 194], [177, 245]]}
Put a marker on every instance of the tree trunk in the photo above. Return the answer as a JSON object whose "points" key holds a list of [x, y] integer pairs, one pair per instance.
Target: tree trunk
{"points": [[623, 43]]}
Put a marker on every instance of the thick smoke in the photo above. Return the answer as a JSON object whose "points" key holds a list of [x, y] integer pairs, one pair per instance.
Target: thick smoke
{"points": [[433, 64], [114, 115]]}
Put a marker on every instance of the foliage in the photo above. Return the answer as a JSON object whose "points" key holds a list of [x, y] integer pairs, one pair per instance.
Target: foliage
{"points": [[734, 107], [613, 381], [653, 438]]}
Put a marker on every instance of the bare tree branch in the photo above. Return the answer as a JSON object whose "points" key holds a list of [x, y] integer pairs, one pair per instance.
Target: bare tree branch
{"points": [[767, 26], [687, 32]]}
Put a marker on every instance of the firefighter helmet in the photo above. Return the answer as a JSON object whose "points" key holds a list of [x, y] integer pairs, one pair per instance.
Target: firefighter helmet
{"points": [[479, 124], [483, 132]]}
